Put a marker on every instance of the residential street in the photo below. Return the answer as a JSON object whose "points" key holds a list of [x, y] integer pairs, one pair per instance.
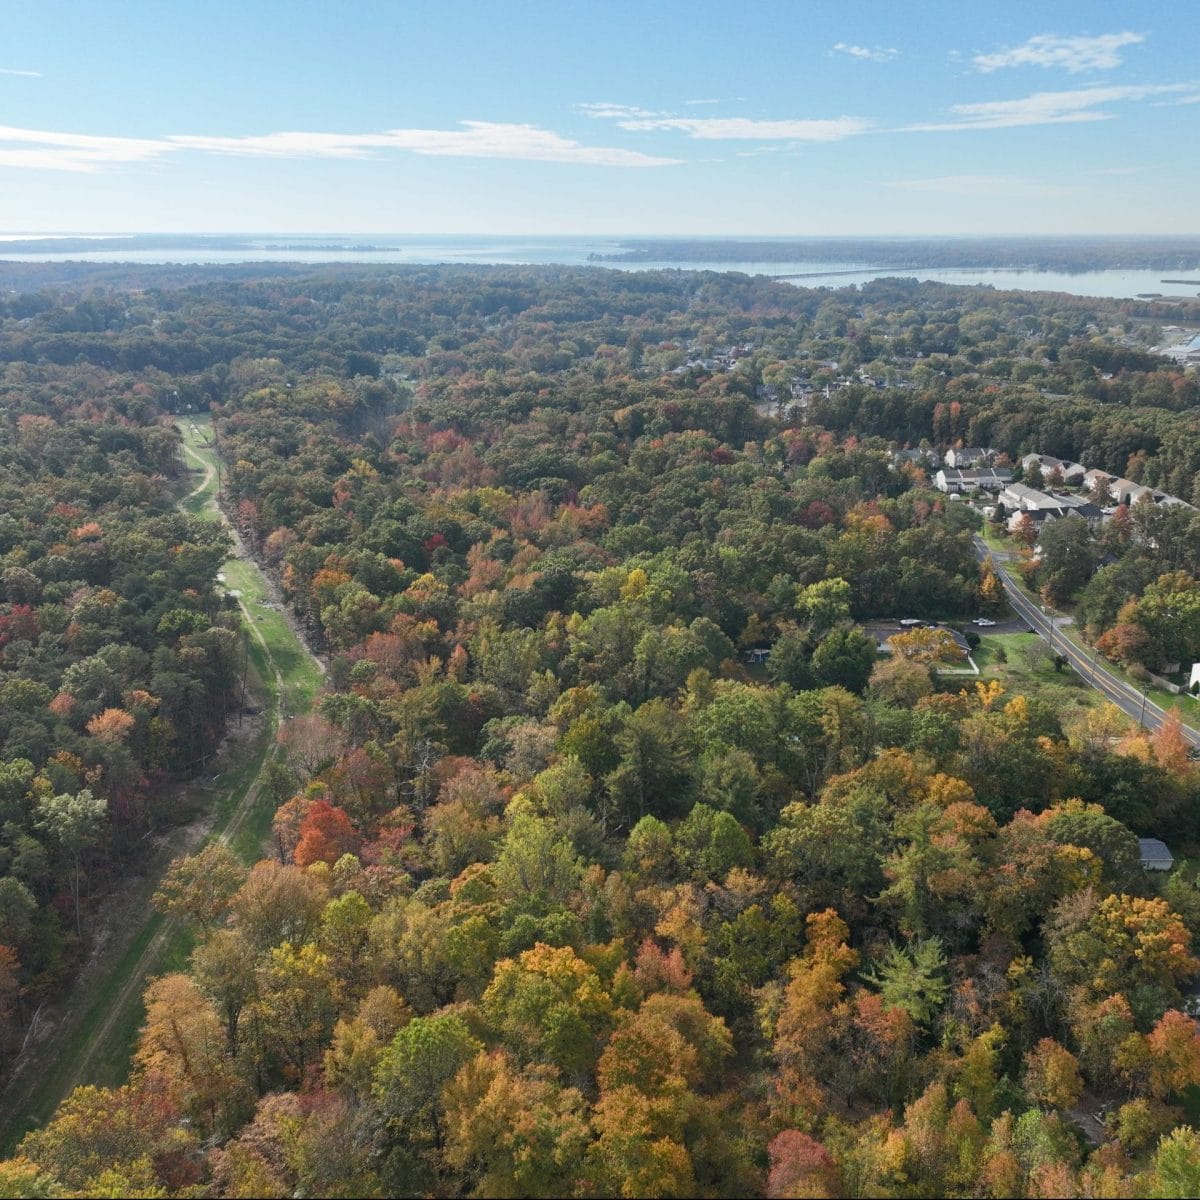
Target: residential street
{"points": [[1125, 696]]}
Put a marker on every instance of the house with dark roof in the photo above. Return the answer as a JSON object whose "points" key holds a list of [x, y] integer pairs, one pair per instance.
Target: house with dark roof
{"points": [[988, 479], [1154, 855]]}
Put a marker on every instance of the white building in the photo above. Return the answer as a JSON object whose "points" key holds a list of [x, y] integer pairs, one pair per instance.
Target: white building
{"points": [[989, 479], [1042, 506], [969, 456], [1071, 473]]}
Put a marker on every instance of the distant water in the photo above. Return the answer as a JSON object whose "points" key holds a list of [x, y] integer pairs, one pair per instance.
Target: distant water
{"points": [[1118, 284]]}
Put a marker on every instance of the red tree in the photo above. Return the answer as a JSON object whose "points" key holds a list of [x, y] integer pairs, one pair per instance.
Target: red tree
{"points": [[325, 835]]}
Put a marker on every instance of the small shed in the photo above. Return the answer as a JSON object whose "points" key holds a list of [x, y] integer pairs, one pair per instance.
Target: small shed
{"points": [[1154, 855]]}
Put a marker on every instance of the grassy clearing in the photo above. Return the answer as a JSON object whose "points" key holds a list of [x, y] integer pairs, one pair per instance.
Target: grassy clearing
{"points": [[1187, 707], [95, 1033], [1027, 672], [997, 541]]}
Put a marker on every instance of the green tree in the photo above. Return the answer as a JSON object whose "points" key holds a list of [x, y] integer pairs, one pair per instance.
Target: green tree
{"points": [[913, 978], [199, 887], [75, 823], [408, 1090], [845, 658], [709, 843], [1175, 1168]]}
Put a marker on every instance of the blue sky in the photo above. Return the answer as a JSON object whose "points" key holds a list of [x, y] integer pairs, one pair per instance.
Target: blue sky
{"points": [[760, 118]]}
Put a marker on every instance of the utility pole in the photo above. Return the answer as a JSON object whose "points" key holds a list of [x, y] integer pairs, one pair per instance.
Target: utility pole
{"points": [[1142, 714]]}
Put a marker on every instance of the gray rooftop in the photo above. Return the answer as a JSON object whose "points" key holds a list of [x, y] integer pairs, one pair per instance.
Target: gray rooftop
{"points": [[1154, 855]]}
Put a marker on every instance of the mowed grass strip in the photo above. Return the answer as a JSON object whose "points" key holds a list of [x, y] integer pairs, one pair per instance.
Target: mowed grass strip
{"points": [[95, 1036]]}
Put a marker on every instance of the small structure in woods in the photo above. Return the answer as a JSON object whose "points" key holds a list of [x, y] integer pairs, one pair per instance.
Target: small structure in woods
{"points": [[1154, 855]]}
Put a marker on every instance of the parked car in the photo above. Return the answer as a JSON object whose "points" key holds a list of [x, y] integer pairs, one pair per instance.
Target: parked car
{"points": [[909, 622], [983, 622]]}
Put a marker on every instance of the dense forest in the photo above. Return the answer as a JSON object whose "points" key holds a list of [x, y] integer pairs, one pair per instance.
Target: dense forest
{"points": [[118, 663], [615, 860]]}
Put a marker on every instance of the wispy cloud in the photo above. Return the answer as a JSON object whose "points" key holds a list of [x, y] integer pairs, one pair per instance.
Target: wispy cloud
{"points": [[14, 71], [39, 149], [1072, 54], [1047, 108], [983, 185], [746, 128], [787, 129], [604, 110], [865, 53]]}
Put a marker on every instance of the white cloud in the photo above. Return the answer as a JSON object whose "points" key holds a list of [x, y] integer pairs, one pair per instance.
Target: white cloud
{"points": [[1046, 108], [983, 185], [865, 53], [14, 71], [741, 128], [38, 149], [1072, 54], [72, 151], [615, 112]]}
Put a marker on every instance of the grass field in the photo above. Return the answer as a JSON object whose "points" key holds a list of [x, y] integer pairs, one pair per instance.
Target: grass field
{"points": [[94, 1034], [1032, 675]]}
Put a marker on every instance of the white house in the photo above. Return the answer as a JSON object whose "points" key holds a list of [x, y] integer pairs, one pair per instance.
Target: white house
{"points": [[989, 479], [1069, 472], [1046, 506], [968, 456]]}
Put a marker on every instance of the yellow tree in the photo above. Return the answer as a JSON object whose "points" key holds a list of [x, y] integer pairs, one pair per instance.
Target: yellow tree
{"points": [[517, 1132], [925, 645], [1052, 1076], [991, 590], [183, 1044], [550, 1005], [101, 1129], [296, 1004]]}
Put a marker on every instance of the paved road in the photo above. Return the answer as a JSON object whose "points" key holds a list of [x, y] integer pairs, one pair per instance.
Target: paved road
{"points": [[1124, 695]]}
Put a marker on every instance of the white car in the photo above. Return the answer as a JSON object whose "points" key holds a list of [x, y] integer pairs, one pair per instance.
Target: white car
{"points": [[983, 622], [909, 622]]}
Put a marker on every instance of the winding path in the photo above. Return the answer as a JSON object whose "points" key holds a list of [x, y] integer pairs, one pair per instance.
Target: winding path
{"points": [[85, 1035]]}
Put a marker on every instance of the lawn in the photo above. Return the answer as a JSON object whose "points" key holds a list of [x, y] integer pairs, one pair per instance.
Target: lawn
{"points": [[1063, 690], [1187, 707]]}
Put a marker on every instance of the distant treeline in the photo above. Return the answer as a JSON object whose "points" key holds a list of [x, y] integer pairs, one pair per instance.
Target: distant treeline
{"points": [[1046, 254]]}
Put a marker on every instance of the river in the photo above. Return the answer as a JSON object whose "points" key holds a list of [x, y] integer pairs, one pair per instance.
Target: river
{"points": [[575, 251]]}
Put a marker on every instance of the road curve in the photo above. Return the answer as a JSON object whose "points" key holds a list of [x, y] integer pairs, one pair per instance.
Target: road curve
{"points": [[1124, 695]]}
